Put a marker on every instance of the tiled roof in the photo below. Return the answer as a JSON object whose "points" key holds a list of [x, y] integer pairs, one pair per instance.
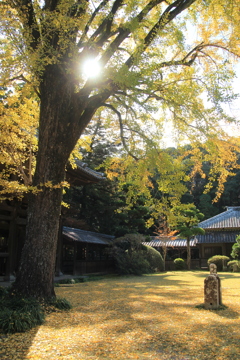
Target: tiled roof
{"points": [[82, 174], [171, 243], [229, 219], [217, 237], [86, 236], [84, 168]]}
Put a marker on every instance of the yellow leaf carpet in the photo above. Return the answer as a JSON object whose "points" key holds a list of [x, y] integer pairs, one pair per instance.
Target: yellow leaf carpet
{"points": [[149, 317]]}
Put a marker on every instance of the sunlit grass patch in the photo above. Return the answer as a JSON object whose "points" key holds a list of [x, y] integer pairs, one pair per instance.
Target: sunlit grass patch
{"points": [[149, 317]]}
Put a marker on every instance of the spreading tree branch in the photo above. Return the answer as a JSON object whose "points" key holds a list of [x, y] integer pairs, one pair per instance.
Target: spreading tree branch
{"points": [[94, 14], [168, 15], [121, 129], [124, 32]]}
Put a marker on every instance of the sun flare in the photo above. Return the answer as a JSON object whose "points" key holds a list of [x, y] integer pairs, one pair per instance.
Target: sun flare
{"points": [[91, 68]]}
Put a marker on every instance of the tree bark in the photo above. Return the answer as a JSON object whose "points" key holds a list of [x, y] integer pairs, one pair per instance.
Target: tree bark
{"points": [[59, 130], [36, 273]]}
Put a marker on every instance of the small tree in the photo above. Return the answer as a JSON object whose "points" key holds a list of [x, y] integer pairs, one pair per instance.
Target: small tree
{"points": [[236, 248], [186, 218], [164, 234], [219, 260]]}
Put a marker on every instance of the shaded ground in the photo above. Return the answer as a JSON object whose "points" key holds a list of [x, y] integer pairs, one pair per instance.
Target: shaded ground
{"points": [[149, 317]]}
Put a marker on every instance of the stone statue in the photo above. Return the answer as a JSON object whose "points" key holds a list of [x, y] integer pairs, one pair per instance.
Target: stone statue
{"points": [[213, 269], [212, 289]]}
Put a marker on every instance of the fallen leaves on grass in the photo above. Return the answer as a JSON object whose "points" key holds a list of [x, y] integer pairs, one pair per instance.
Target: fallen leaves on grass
{"points": [[150, 317]]}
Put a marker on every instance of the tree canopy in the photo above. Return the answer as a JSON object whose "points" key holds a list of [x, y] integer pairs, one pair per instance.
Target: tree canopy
{"points": [[160, 62]]}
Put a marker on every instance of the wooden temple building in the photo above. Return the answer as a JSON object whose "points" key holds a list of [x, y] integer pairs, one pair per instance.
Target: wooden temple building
{"points": [[220, 235], [78, 251]]}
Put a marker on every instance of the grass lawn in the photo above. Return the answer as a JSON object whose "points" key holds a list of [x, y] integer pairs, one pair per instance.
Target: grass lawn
{"points": [[148, 317]]}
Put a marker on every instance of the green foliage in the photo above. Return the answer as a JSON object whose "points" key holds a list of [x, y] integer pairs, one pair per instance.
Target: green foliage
{"points": [[59, 303], [234, 265], [104, 206], [205, 201], [13, 321], [19, 314], [104, 209], [131, 264], [185, 218], [131, 257], [3, 291], [179, 264], [206, 206], [154, 258], [219, 260], [236, 248]]}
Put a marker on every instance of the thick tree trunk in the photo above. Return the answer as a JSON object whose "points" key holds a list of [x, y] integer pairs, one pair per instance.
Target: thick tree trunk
{"points": [[36, 272], [59, 130], [63, 116]]}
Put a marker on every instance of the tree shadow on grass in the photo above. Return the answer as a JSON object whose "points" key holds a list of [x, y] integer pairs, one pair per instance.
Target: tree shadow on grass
{"points": [[146, 317], [227, 313], [16, 346]]}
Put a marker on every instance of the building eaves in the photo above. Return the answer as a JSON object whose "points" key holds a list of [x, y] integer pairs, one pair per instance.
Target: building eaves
{"points": [[78, 235], [212, 237], [82, 174]]}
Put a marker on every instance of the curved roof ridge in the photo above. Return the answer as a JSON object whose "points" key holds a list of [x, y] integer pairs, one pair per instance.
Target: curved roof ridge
{"points": [[86, 169], [84, 236], [227, 219], [88, 232]]}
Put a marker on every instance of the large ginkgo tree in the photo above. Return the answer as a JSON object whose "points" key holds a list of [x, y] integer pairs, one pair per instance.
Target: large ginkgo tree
{"points": [[173, 58]]}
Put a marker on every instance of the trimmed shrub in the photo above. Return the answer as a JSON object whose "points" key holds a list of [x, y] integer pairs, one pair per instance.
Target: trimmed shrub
{"points": [[179, 264], [154, 258], [234, 265], [219, 260], [127, 264], [132, 257]]}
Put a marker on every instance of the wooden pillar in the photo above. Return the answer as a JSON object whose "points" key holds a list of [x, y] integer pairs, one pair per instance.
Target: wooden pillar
{"points": [[224, 249]]}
